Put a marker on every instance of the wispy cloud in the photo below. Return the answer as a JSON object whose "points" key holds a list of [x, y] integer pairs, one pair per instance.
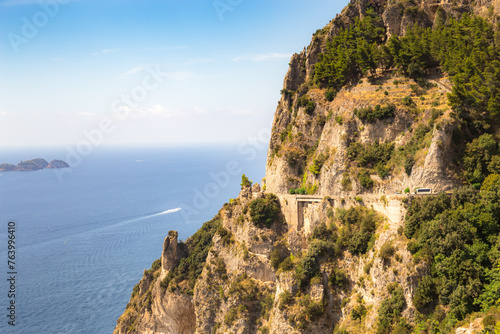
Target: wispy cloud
{"points": [[262, 57], [180, 75], [161, 111], [105, 51], [199, 110], [3, 113], [132, 71], [87, 114], [155, 112], [234, 111], [198, 61]]}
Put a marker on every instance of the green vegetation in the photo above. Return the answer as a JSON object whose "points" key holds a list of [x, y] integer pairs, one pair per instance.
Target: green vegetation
{"points": [[318, 162], [7, 167], [244, 288], [299, 191], [386, 251], [458, 236], [285, 299], [308, 311], [389, 312], [279, 254], [357, 234], [234, 313], [330, 95], [308, 267], [467, 49], [265, 211], [225, 235], [358, 312], [482, 157], [155, 266], [245, 181], [425, 295], [305, 101], [370, 155], [406, 154], [346, 182], [338, 279], [370, 114], [295, 157], [491, 182], [365, 179], [351, 53], [381, 158]]}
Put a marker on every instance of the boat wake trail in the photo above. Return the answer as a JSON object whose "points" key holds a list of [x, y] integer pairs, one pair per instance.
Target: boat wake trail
{"points": [[169, 211], [148, 216], [153, 215]]}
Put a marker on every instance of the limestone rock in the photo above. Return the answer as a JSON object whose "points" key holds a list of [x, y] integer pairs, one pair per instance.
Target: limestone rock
{"points": [[169, 256]]}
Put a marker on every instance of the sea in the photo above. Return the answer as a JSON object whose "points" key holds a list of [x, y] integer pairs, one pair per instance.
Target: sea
{"points": [[84, 235]]}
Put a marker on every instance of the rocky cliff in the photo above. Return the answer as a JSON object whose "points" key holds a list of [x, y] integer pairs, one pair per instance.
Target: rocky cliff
{"points": [[247, 273], [323, 247], [325, 131]]}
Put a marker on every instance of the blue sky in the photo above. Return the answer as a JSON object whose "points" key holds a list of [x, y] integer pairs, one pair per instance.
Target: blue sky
{"points": [[162, 72]]}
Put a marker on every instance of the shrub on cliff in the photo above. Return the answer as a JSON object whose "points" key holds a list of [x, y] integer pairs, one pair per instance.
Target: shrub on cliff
{"points": [[265, 211], [245, 181], [338, 279], [386, 251], [365, 179], [330, 95], [481, 159], [278, 255], [378, 113], [389, 312], [285, 299], [305, 101], [370, 155], [358, 230], [308, 267], [318, 163]]}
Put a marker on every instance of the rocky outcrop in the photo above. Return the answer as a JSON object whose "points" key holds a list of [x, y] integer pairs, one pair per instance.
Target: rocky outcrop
{"points": [[169, 255], [151, 309], [57, 164]]}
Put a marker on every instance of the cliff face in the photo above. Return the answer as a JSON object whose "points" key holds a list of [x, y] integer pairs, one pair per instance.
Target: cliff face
{"points": [[241, 288], [320, 248], [341, 128], [299, 135]]}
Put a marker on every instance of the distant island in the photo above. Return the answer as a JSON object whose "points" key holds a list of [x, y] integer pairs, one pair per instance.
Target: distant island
{"points": [[31, 165]]}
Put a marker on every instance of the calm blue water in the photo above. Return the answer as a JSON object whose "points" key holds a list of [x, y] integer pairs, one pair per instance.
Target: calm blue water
{"points": [[83, 240]]}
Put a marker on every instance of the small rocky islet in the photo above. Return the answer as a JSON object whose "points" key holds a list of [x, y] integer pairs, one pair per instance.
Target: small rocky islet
{"points": [[31, 165]]}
